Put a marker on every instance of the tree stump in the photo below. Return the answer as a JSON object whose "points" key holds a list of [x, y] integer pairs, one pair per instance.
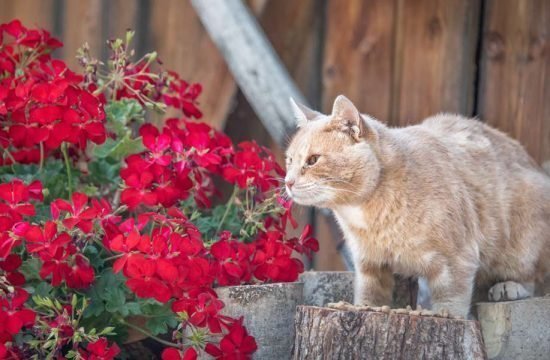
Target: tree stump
{"points": [[344, 331]]}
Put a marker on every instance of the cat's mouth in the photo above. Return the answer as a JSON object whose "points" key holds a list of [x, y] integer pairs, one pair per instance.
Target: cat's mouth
{"points": [[308, 196]]}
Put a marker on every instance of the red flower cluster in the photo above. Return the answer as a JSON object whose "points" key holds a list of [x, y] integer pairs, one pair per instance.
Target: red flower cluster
{"points": [[13, 313], [182, 160], [181, 95], [166, 195], [253, 165], [15, 203], [179, 161], [42, 102], [55, 248], [100, 350], [236, 345]]}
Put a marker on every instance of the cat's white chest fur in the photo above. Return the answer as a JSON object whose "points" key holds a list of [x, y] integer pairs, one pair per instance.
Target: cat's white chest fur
{"points": [[349, 217]]}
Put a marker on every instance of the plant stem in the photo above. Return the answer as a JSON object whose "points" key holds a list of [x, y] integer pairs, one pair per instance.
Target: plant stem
{"points": [[68, 167], [148, 334], [41, 157], [228, 208], [114, 257]]}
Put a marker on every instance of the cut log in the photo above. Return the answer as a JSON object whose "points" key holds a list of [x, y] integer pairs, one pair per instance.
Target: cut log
{"points": [[348, 332], [516, 329]]}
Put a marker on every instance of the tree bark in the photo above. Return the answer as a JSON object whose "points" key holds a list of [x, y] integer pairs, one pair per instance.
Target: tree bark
{"points": [[348, 333]]}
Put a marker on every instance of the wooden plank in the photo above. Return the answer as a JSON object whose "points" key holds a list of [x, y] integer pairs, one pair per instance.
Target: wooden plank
{"points": [[82, 23], [121, 15], [434, 65], [295, 46], [185, 47], [515, 73], [358, 54], [32, 13]]}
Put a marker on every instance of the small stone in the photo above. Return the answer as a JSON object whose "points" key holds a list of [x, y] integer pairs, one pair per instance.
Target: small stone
{"points": [[409, 308], [427, 313], [385, 309], [341, 305], [415, 312], [444, 313], [401, 311]]}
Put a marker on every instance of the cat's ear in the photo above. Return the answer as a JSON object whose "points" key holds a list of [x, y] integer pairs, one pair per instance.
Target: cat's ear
{"points": [[346, 117], [302, 113]]}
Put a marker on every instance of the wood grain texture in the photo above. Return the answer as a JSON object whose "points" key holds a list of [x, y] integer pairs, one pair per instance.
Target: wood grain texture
{"points": [[515, 72], [82, 22], [330, 239], [323, 333], [122, 15], [434, 64], [184, 46], [358, 54], [32, 13]]}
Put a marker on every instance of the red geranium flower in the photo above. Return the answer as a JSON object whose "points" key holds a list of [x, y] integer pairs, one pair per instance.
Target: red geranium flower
{"points": [[16, 196], [202, 310], [81, 215], [142, 280], [100, 350], [126, 245], [40, 240], [237, 345], [12, 314], [81, 275], [175, 354], [233, 258], [55, 264], [306, 243]]}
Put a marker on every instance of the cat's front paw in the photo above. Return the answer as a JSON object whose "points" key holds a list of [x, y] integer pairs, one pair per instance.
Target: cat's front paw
{"points": [[509, 290]]}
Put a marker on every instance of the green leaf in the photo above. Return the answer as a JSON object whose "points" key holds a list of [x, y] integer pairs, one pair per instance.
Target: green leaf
{"points": [[104, 172], [208, 223], [121, 113], [115, 299], [30, 268], [44, 289], [118, 149], [106, 294], [161, 317]]}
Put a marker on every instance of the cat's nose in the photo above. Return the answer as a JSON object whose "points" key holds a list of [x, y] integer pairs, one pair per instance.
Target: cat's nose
{"points": [[289, 183]]}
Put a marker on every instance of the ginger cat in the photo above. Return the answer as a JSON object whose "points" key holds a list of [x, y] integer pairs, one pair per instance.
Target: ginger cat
{"points": [[451, 200]]}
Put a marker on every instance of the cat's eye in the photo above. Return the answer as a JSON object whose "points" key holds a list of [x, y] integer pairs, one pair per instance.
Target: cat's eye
{"points": [[312, 160]]}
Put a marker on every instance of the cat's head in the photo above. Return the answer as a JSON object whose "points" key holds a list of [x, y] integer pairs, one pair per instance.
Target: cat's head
{"points": [[332, 159]]}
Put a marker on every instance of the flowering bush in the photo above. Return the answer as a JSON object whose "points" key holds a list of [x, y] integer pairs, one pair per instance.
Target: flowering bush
{"points": [[104, 217]]}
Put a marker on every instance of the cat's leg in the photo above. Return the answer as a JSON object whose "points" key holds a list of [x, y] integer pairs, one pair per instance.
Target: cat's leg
{"points": [[511, 290], [373, 286], [452, 289]]}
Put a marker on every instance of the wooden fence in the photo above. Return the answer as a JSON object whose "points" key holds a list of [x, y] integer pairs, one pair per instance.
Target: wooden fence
{"points": [[398, 60]]}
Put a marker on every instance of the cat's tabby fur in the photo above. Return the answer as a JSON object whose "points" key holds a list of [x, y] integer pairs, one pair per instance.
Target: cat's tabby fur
{"points": [[451, 200]]}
